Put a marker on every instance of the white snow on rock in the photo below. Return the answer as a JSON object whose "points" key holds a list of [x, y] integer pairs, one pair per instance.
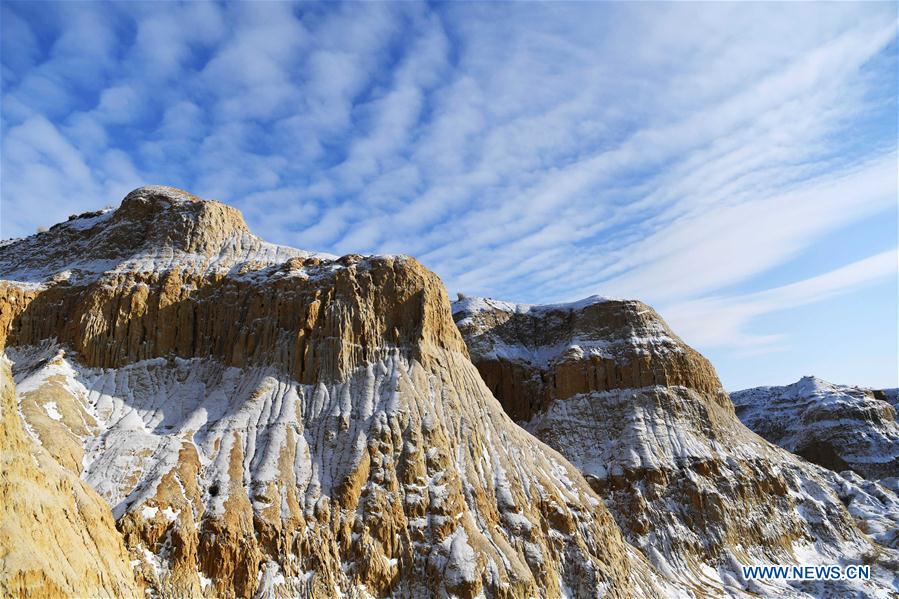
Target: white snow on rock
{"points": [[836, 426], [109, 241], [493, 342], [52, 410]]}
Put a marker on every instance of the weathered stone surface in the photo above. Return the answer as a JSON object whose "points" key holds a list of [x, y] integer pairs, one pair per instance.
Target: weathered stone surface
{"points": [[267, 421], [57, 536], [835, 426], [645, 419], [530, 356]]}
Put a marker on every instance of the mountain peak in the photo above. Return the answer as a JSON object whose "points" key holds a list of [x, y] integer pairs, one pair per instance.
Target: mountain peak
{"points": [[162, 204], [156, 228]]}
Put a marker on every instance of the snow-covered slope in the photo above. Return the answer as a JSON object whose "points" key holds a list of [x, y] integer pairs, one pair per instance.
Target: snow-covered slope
{"points": [[644, 417], [836, 426], [155, 229]]}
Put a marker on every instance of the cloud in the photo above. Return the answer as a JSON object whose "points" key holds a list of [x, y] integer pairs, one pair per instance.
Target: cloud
{"points": [[727, 244], [727, 321]]}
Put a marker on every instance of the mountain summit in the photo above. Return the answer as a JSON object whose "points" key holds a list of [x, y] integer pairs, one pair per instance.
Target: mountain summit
{"points": [[156, 228], [837, 426]]}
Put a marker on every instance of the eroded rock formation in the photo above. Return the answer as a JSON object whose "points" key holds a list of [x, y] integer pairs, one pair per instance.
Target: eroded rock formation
{"points": [[836, 426], [645, 419], [222, 417], [263, 420], [57, 536]]}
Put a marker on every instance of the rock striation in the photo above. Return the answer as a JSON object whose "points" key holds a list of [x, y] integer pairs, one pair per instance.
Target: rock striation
{"points": [[644, 417], [263, 421], [835, 426]]}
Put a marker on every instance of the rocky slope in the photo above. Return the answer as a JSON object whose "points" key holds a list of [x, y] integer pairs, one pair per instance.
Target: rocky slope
{"points": [[645, 419], [263, 421], [57, 536], [835, 426]]}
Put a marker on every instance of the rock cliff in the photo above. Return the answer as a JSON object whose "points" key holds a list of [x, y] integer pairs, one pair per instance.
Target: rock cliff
{"points": [[269, 422], [836, 426], [645, 419]]}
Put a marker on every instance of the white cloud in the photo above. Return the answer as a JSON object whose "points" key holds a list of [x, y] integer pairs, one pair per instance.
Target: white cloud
{"points": [[721, 245], [727, 321]]}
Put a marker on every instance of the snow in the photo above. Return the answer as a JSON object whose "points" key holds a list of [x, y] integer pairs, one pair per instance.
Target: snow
{"points": [[149, 512], [461, 565], [269, 577], [475, 305], [170, 514], [860, 429], [87, 247], [52, 410], [503, 338], [89, 220], [204, 582]]}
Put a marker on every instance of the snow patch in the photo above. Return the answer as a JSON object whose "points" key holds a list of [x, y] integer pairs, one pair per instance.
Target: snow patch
{"points": [[52, 410]]}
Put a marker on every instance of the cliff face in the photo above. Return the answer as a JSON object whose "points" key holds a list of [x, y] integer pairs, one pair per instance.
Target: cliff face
{"points": [[835, 426], [530, 356], [57, 536], [645, 419], [266, 421]]}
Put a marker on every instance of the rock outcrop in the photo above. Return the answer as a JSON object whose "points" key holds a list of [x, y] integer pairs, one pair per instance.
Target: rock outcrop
{"points": [[57, 536], [530, 356], [645, 419], [835, 426], [270, 422]]}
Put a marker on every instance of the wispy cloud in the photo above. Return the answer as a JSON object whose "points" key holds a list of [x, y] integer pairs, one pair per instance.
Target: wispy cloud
{"points": [[726, 321]]}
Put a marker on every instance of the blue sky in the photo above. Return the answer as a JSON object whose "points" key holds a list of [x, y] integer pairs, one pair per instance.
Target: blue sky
{"points": [[734, 165]]}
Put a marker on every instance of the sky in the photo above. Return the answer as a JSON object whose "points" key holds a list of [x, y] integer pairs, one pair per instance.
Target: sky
{"points": [[732, 164]]}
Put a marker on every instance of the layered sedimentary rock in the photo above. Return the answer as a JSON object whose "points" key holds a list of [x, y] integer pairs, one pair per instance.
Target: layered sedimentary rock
{"points": [[530, 355], [266, 421], [836, 426], [645, 419], [57, 536]]}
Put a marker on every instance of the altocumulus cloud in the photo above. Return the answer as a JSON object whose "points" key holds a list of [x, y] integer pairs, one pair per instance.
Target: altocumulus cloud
{"points": [[535, 152]]}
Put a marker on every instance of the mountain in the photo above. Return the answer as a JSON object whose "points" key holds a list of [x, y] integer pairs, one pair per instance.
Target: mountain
{"points": [[891, 396], [646, 420], [850, 430], [189, 411], [835, 426], [263, 421]]}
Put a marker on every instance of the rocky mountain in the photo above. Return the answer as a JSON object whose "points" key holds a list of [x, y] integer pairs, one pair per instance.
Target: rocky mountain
{"points": [[835, 426], [189, 411], [262, 421], [644, 417]]}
